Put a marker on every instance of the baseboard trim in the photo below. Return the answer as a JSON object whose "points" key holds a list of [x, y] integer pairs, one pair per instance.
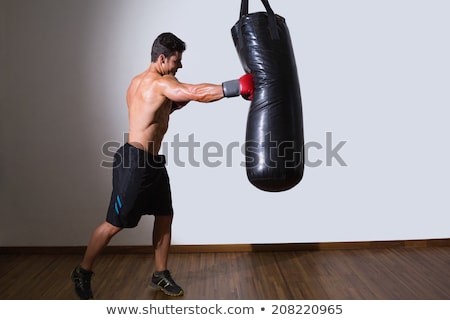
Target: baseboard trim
{"points": [[237, 247]]}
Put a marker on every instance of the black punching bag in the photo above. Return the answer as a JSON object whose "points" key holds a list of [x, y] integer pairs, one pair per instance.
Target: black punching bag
{"points": [[274, 136]]}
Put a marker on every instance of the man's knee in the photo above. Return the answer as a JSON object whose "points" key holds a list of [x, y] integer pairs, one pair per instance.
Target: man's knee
{"points": [[168, 217], [163, 221], [110, 229]]}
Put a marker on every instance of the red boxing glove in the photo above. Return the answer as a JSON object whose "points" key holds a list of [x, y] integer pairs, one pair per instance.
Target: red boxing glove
{"points": [[242, 86], [246, 86]]}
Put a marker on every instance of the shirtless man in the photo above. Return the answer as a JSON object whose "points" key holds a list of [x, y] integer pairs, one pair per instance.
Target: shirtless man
{"points": [[140, 181]]}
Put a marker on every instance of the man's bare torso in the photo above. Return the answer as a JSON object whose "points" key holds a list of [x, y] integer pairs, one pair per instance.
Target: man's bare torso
{"points": [[150, 98], [148, 112]]}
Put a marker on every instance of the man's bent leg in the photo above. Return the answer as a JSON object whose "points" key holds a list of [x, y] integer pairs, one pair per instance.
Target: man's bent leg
{"points": [[82, 274], [99, 240]]}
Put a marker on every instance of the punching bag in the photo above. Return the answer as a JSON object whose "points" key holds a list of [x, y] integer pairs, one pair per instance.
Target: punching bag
{"points": [[274, 143]]}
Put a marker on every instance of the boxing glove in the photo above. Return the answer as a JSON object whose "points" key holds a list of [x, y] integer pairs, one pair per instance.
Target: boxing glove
{"points": [[242, 86]]}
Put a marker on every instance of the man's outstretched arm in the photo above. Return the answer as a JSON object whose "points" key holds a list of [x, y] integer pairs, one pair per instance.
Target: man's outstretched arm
{"points": [[181, 93]]}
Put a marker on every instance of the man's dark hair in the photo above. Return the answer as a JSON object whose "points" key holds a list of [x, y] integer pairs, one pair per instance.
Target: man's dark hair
{"points": [[167, 44]]}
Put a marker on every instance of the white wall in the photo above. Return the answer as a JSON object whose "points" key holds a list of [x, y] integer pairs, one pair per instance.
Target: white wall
{"points": [[373, 73]]}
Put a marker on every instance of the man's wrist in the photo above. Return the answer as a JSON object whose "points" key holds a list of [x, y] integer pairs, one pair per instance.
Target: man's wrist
{"points": [[231, 88]]}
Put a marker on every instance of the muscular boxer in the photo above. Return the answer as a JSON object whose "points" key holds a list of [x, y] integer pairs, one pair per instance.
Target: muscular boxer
{"points": [[140, 181]]}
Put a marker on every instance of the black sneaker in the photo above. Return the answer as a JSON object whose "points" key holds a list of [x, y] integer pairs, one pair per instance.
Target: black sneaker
{"points": [[82, 280], [163, 281]]}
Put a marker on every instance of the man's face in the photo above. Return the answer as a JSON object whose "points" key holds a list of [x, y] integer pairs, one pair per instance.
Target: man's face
{"points": [[173, 63]]}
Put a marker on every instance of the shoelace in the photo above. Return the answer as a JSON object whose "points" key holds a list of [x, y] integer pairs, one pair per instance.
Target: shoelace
{"points": [[168, 278]]}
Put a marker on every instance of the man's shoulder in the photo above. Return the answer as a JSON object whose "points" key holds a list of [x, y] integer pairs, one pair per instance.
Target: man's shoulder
{"points": [[144, 80]]}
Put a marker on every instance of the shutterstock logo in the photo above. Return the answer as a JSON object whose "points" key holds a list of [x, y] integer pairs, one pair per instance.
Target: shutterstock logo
{"points": [[331, 152], [187, 151]]}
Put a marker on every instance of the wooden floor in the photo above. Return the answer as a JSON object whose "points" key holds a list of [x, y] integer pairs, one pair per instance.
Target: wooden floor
{"points": [[396, 273]]}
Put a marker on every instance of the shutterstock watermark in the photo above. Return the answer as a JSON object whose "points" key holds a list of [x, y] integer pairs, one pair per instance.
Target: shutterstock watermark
{"points": [[187, 151]]}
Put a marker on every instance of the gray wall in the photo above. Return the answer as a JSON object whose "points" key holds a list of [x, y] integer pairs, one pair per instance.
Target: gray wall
{"points": [[374, 75]]}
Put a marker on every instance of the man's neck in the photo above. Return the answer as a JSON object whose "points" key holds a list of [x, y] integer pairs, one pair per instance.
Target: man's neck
{"points": [[155, 68]]}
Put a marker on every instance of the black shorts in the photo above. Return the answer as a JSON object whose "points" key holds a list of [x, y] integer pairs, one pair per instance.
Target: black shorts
{"points": [[140, 186]]}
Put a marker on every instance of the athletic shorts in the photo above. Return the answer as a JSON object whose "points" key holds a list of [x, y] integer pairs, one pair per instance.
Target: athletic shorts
{"points": [[140, 187]]}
